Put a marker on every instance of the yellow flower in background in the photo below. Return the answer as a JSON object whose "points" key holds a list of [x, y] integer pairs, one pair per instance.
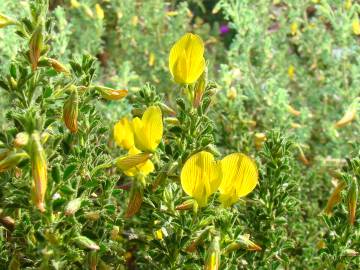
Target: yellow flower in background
{"points": [[99, 12], [294, 28], [123, 133], [291, 72], [356, 26], [74, 4], [201, 176], [140, 163], [239, 177], [348, 4], [151, 59], [186, 59], [148, 130], [39, 172]]}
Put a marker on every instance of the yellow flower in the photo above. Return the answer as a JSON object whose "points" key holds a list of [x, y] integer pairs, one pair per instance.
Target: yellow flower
{"points": [[186, 59], [291, 72], [123, 133], [74, 4], [159, 234], [356, 26], [239, 177], [99, 12], [201, 176], [148, 130], [143, 168], [348, 4], [294, 28], [151, 59]]}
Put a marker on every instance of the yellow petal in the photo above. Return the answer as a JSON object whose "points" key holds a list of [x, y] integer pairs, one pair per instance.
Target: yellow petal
{"points": [[123, 133], [148, 131], [239, 177], [186, 59], [143, 168], [201, 176]]}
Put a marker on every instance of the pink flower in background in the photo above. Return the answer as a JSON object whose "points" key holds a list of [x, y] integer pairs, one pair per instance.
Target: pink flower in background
{"points": [[224, 29]]}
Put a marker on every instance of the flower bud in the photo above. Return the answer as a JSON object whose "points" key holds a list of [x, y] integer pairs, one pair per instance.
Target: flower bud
{"points": [[172, 121], [5, 21], [59, 67], [199, 89], [335, 198], [245, 241], [186, 205], [11, 160], [71, 111], [114, 234], [135, 201], [88, 11], [231, 93], [3, 153], [130, 161], [111, 94], [21, 139], [166, 109], [39, 172], [302, 157], [36, 45], [293, 111], [93, 215], [259, 140], [86, 243], [352, 201], [348, 117], [232, 247], [213, 255], [72, 207], [295, 125], [200, 236]]}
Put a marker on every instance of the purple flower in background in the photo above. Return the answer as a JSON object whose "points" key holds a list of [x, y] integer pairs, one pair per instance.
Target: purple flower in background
{"points": [[224, 28]]}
